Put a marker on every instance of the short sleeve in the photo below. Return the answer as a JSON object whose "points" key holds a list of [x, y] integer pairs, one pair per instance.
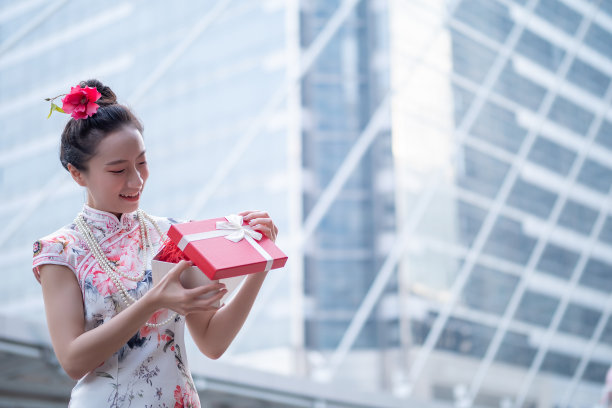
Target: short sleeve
{"points": [[56, 249]]}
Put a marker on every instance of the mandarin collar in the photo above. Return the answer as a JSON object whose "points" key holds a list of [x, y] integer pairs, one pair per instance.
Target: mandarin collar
{"points": [[109, 220]]}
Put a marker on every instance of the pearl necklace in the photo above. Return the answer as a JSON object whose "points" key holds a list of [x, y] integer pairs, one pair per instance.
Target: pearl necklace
{"points": [[111, 269]]}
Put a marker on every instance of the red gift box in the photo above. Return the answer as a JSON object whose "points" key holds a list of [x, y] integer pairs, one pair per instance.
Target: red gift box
{"points": [[226, 247]]}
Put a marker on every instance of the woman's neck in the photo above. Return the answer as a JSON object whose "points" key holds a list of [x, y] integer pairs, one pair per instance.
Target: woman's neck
{"points": [[118, 215]]}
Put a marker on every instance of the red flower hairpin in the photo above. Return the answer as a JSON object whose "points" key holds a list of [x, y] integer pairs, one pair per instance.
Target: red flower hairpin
{"points": [[80, 103]]}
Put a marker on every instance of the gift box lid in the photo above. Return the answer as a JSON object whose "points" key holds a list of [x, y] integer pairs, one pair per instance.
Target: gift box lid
{"points": [[219, 257]]}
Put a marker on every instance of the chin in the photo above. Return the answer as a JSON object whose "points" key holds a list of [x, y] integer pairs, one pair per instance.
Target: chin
{"points": [[127, 207]]}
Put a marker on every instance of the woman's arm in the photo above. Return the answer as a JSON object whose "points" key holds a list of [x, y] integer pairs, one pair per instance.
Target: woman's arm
{"points": [[80, 351], [214, 331]]}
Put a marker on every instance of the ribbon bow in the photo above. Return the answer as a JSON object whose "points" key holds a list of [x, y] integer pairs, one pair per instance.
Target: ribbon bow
{"points": [[234, 223], [233, 230]]}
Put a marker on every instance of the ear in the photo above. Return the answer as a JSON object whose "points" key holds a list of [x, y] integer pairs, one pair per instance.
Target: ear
{"points": [[77, 175]]}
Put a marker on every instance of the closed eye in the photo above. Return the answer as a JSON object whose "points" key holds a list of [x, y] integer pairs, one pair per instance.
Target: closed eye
{"points": [[117, 171]]}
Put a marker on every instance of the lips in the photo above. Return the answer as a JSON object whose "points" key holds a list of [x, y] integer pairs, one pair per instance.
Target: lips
{"points": [[130, 197]]}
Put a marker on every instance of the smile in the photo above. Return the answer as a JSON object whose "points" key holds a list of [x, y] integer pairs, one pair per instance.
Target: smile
{"points": [[133, 197]]}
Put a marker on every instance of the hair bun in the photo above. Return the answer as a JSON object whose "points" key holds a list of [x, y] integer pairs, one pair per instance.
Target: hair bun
{"points": [[108, 96]]}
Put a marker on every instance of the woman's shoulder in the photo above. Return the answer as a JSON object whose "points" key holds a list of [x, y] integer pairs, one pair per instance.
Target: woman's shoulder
{"points": [[59, 247], [66, 235]]}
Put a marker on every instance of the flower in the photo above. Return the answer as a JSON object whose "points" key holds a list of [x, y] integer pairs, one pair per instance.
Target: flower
{"points": [[178, 397], [37, 248], [184, 399], [155, 318], [80, 102], [106, 286]]}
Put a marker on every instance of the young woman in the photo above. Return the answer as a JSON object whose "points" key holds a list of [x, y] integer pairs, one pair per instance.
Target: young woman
{"points": [[112, 330]]}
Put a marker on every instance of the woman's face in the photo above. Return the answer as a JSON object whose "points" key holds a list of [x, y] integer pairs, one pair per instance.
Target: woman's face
{"points": [[116, 175]]}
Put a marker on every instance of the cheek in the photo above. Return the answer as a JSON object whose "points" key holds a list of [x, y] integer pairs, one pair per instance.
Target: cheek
{"points": [[114, 183], [105, 184], [144, 174]]}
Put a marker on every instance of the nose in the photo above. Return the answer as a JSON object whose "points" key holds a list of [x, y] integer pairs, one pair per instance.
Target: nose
{"points": [[135, 180]]}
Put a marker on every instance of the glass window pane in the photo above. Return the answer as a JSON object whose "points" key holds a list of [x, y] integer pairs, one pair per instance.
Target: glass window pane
{"points": [[539, 50], [470, 58], [465, 337], [419, 329], [596, 371], [588, 78], [559, 15], [499, 127], [571, 116], [337, 232], [558, 261], [606, 336], [489, 290], [470, 219], [519, 89], [559, 363], [326, 334], [597, 275], [551, 155], [531, 198], [599, 39], [486, 16], [606, 6], [344, 292], [604, 134], [578, 217], [606, 231], [508, 241], [516, 350], [536, 308], [483, 174], [596, 176], [579, 320]]}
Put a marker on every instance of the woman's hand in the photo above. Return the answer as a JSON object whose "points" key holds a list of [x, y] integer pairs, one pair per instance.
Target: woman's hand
{"points": [[261, 221], [79, 351], [169, 293], [214, 332]]}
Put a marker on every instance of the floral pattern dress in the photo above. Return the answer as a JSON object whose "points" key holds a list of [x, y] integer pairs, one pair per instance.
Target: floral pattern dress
{"points": [[150, 370]]}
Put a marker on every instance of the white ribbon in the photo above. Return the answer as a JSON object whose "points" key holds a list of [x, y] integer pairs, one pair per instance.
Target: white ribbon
{"points": [[232, 230], [237, 230]]}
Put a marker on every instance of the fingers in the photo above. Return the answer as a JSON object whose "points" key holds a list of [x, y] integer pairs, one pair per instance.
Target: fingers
{"points": [[206, 289], [266, 226], [260, 221], [200, 299], [249, 215], [267, 231], [180, 267], [211, 303]]}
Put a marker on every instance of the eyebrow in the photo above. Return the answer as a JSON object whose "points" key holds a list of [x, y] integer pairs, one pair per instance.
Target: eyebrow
{"points": [[110, 163]]}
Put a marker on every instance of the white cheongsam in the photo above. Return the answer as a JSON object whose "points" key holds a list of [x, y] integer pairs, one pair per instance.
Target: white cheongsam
{"points": [[151, 369]]}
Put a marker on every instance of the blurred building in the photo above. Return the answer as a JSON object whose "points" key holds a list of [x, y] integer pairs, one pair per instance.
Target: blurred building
{"points": [[501, 135], [439, 171], [345, 235]]}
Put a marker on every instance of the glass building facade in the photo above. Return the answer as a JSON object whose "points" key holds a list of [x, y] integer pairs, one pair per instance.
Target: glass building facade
{"points": [[500, 121], [439, 171], [340, 94]]}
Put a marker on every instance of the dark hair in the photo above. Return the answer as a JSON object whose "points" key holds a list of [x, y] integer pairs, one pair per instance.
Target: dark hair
{"points": [[81, 137]]}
